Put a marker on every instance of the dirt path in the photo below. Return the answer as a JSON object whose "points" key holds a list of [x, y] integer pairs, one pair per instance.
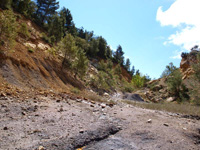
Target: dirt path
{"points": [[64, 124]]}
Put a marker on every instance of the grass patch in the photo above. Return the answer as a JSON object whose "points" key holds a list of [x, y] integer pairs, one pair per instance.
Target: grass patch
{"points": [[185, 108], [92, 96], [75, 91]]}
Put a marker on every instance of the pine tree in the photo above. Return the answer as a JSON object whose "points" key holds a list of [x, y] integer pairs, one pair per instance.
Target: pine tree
{"points": [[118, 55], [81, 64], [132, 71], [46, 8], [5, 4], [93, 49], [102, 47], [55, 27], [69, 49], [127, 64], [67, 21], [108, 52]]}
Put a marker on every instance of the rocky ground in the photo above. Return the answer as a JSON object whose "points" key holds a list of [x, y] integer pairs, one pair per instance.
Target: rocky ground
{"points": [[60, 122]]}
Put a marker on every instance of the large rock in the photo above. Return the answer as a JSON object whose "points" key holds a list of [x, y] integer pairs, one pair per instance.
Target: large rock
{"points": [[186, 63]]}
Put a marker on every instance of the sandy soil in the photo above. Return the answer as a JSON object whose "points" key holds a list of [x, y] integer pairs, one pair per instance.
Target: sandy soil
{"points": [[60, 123]]}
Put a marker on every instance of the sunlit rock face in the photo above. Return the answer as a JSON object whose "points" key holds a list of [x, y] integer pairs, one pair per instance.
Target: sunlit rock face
{"points": [[187, 61]]}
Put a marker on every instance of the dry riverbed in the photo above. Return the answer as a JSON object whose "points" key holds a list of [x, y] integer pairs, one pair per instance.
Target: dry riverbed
{"points": [[65, 123]]}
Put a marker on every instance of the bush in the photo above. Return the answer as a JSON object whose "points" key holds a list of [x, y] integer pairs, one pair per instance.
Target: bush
{"points": [[75, 90], [176, 86], [103, 81], [81, 64], [184, 55], [69, 49], [169, 70], [8, 28], [195, 83], [30, 50], [45, 38], [128, 88], [138, 80], [24, 30]]}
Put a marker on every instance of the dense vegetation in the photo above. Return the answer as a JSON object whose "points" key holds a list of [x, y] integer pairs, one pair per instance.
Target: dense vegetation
{"points": [[77, 45], [184, 91]]}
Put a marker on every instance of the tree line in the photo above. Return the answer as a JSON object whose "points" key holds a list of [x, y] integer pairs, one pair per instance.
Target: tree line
{"points": [[58, 23]]}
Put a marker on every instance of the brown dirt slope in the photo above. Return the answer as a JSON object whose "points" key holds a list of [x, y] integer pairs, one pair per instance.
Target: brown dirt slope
{"points": [[29, 63]]}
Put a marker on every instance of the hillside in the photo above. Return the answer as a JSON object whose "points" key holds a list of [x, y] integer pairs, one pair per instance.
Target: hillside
{"points": [[29, 64], [34, 63], [63, 88]]}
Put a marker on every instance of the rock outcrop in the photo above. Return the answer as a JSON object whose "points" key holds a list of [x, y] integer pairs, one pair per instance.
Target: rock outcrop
{"points": [[186, 63]]}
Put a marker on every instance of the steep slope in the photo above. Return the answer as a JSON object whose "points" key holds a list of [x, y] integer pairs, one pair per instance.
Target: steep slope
{"points": [[29, 64]]}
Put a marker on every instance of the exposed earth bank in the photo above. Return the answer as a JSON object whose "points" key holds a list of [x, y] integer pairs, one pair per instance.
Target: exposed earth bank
{"points": [[60, 122]]}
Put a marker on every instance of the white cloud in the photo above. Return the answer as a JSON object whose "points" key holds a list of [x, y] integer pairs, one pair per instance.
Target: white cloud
{"points": [[184, 16]]}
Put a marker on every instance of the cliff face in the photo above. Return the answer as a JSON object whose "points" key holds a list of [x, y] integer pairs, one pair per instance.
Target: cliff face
{"points": [[186, 63]]}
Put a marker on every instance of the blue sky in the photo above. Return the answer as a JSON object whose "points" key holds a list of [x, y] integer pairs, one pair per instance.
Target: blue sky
{"points": [[145, 30]]}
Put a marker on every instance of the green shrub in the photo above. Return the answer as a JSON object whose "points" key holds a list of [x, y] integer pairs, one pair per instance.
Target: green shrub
{"points": [[75, 90], [45, 38], [103, 81], [138, 80], [81, 64], [52, 40], [169, 70], [8, 28], [195, 83], [176, 86], [128, 88], [24, 30], [30, 50]]}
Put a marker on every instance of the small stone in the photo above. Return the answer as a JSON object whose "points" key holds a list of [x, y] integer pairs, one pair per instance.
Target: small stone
{"points": [[149, 121], [106, 94], [58, 101], [41, 148], [110, 105], [91, 105], [3, 95], [93, 102], [8, 93], [171, 99], [5, 128], [184, 128], [170, 141], [73, 114], [23, 113], [165, 124], [61, 109], [78, 100], [119, 127], [81, 131], [104, 114], [103, 105]]}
